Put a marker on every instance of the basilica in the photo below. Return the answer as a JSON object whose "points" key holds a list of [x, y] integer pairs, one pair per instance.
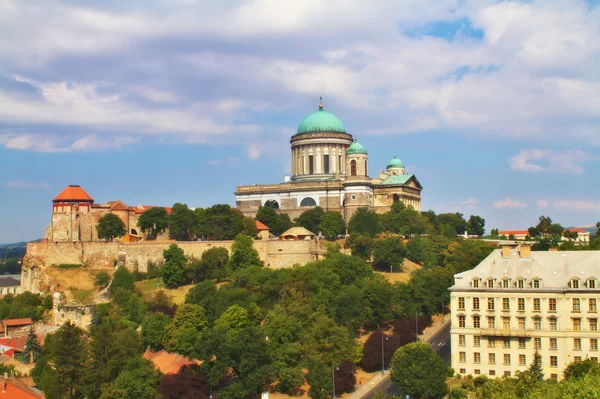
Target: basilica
{"points": [[330, 170]]}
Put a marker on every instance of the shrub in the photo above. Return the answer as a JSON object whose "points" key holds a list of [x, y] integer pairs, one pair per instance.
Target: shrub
{"points": [[102, 279], [68, 266]]}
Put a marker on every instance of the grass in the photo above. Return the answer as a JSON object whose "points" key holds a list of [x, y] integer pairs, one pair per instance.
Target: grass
{"points": [[83, 296], [150, 284], [177, 295], [404, 275]]}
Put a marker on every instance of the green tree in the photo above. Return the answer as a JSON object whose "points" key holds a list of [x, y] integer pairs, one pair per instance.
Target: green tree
{"points": [[419, 372], [173, 270], [180, 336], [332, 225], [235, 317], [122, 279], [361, 245], [153, 221], [285, 223], [32, 347], [365, 221], [243, 254], [102, 279], [222, 222], [416, 249], [533, 232], [269, 217], [214, 263], [451, 224], [476, 226], [571, 235], [311, 219], [544, 223], [183, 223], [319, 379], [153, 330], [389, 253], [249, 227], [556, 230], [405, 220], [580, 369], [110, 226], [139, 382]]}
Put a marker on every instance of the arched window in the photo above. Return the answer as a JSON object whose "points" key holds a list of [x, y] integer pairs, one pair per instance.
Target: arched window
{"points": [[308, 202], [133, 231], [396, 197], [353, 168], [272, 203]]}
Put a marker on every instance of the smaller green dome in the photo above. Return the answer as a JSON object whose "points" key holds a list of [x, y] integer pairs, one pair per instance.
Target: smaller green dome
{"points": [[395, 163], [356, 148]]}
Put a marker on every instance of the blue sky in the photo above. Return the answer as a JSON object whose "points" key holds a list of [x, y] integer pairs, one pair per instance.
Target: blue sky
{"points": [[495, 106]]}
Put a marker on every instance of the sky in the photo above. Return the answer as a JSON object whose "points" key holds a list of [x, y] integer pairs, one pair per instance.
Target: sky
{"points": [[494, 106]]}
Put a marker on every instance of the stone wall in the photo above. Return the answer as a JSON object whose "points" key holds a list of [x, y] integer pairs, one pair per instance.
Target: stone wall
{"points": [[136, 255]]}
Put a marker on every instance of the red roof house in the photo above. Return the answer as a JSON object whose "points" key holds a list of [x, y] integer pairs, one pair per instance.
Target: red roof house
{"points": [[73, 193]]}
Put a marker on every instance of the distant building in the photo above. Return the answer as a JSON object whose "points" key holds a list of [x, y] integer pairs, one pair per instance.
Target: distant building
{"points": [[16, 327], [12, 388], [330, 170], [9, 285], [582, 235], [263, 230], [517, 302]]}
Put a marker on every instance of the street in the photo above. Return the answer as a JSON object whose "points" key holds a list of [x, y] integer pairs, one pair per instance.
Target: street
{"points": [[440, 343]]}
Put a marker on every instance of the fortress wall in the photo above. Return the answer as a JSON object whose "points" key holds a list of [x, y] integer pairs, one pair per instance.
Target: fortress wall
{"points": [[136, 255]]}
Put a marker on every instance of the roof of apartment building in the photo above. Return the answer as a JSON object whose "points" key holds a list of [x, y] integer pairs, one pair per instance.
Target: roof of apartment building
{"points": [[554, 269], [17, 322], [11, 388]]}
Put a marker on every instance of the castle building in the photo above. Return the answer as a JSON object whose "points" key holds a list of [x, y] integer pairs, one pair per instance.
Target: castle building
{"points": [[330, 170], [517, 302], [75, 216]]}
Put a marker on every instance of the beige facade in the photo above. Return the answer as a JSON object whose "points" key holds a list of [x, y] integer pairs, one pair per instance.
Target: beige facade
{"points": [[517, 302]]}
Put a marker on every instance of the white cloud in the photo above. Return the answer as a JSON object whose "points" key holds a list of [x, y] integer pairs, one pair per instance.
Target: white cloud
{"points": [[542, 203], [47, 143], [509, 203], [469, 202], [27, 184], [536, 160], [576, 205], [254, 152]]}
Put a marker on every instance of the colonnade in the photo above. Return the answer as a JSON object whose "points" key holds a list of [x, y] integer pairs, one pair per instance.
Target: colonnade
{"points": [[301, 158]]}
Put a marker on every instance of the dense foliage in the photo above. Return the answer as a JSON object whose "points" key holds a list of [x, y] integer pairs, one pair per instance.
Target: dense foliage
{"points": [[110, 226], [153, 221]]}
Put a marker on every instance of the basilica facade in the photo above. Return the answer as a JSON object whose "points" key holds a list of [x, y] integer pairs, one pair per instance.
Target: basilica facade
{"points": [[330, 170]]}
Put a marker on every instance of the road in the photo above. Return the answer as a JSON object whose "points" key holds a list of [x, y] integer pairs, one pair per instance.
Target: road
{"points": [[440, 343]]}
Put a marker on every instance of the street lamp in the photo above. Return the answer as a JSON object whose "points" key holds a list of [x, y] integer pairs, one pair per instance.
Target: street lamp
{"points": [[211, 395], [333, 369], [382, 355]]}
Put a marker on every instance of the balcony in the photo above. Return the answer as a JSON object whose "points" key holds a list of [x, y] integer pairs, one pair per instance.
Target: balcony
{"points": [[498, 332]]}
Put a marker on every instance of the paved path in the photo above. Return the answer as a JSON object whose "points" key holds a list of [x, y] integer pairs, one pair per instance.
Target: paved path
{"points": [[437, 335]]}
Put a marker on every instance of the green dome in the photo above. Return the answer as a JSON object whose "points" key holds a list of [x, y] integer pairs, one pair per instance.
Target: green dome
{"points": [[395, 163], [356, 148], [321, 121]]}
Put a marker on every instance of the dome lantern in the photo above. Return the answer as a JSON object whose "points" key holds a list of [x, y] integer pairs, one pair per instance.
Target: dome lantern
{"points": [[395, 163]]}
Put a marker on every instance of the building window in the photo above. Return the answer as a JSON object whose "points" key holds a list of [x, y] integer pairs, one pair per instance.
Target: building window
{"points": [[476, 371], [576, 305], [476, 303], [536, 283], [592, 304], [462, 357], [476, 322], [505, 283], [506, 343], [366, 173], [591, 283], [577, 344], [475, 283], [593, 324], [576, 324], [308, 202], [491, 342], [552, 305], [491, 304], [340, 163], [594, 359], [553, 344], [521, 321], [311, 164], [463, 371], [490, 283], [577, 359], [575, 283], [476, 340], [554, 377], [461, 321], [461, 303], [522, 343], [506, 323], [353, 168], [521, 304], [476, 357], [522, 360], [492, 358], [521, 283], [492, 372], [537, 343], [593, 344], [461, 340], [552, 321], [326, 163], [537, 304], [506, 358], [505, 304], [507, 373], [491, 322], [537, 323]]}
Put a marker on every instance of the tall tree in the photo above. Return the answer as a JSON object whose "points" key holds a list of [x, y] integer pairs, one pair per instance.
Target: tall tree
{"points": [[32, 348], [419, 372], [332, 225], [269, 217], [365, 221], [222, 222], [451, 224], [110, 226], [214, 263], [122, 279], [405, 221], [243, 254], [389, 253], [361, 245], [476, 225], [173, 270], [183, 223], [311, 219], [544, 223], [153, 330], [320, 380], [153, 221]]}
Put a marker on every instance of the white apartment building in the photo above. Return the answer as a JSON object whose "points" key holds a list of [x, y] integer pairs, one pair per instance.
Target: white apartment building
{"points": [[517, 301]]}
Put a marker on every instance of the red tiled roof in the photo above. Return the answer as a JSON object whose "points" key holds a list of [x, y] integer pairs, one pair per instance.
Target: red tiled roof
{"points": [[142, 208], [15, 389], [167, 363], [73, 193], [261, 226], [578, 230], [17, 322], [515, 232]]}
